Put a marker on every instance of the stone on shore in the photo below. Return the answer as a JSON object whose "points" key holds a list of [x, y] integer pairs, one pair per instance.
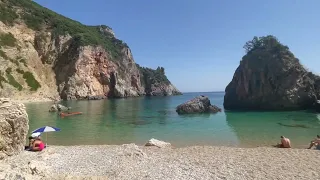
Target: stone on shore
{"points": [[157, 143], [13, 127], [200, 104]]}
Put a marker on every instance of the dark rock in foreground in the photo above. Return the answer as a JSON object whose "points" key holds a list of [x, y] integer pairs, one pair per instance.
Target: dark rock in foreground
{"points": [[200, 104], [270, 77], [14, 126], [317, 106]]}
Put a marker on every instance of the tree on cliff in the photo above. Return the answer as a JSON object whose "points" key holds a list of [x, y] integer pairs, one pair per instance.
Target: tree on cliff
{"points": [[265, 43]]}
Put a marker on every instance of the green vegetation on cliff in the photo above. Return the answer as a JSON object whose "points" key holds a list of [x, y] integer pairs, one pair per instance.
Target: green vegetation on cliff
{"points": [[3, 54], [12, 81], [30, 80], [39, 18], [265, 44], [7, 14], [2, 79], [153, 76], [7, 40], [22, 60]]}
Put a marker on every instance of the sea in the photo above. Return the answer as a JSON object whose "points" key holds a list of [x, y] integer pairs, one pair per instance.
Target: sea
{"points": [[138, 119]]}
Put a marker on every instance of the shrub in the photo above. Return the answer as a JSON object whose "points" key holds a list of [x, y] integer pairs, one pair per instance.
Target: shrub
{"points": [[20, 71], [13, 82], [31, 81], [7, 14], [3, 54], [22, 60], [7, 39], [2, 79]]}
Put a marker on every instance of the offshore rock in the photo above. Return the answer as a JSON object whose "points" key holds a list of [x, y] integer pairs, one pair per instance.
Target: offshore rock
{"points": [[200, 104], [270, 77]]}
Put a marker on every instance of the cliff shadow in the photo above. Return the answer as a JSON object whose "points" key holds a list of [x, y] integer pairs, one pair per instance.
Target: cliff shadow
{"points": [[65, 67]]}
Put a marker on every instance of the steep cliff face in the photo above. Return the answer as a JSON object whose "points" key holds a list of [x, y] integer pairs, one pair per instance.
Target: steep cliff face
{"points": [[270, 77], [156, 83], [49, 56]]}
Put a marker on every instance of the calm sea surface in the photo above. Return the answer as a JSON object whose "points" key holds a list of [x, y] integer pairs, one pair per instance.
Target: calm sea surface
{"points": [[136, 120]]}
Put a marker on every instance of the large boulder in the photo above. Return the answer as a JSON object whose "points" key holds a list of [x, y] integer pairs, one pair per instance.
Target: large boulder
{"points": [[200, 104], [13, 127], [58, 107], [270, 77]]}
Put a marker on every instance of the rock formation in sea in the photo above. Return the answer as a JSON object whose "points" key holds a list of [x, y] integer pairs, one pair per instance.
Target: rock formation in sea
{"points": [[14, 127], [46, 55], [199, 104], [270, 77]]}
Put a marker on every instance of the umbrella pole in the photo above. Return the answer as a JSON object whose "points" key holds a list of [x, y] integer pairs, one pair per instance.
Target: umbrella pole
{"points": [[46, 139]]}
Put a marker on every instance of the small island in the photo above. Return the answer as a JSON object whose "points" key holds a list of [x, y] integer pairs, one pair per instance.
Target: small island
{"points": [[270, 77], [200, 104]]}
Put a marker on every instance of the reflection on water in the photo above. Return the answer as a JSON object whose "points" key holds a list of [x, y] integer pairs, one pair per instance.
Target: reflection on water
{"points": [[265, 128], [136, 120]]}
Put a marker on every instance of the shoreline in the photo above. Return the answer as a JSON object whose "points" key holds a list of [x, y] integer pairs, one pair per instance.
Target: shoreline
{"points": [[130, 161], [34, 100]]}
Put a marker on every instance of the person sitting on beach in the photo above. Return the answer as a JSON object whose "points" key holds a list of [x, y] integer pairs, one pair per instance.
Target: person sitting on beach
{"points": [[31, 140], [315, 142], [285, 143], [37, 144]]}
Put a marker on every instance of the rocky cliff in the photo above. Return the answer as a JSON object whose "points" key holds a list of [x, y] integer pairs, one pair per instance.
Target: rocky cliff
{"points": [[14, 127], [46, 55], [270, 77]]}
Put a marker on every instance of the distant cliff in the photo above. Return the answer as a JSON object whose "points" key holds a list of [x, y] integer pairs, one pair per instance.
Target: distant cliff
{"points": [[270, 77], [46, 55]]}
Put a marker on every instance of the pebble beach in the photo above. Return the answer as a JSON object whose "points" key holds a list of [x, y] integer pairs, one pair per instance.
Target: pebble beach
{"points": [[130, 161]]}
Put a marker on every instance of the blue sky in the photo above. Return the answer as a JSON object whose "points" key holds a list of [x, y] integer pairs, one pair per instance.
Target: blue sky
{"points": [[199, 42]]}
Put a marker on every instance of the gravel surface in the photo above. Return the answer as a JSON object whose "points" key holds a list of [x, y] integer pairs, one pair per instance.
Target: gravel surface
{"points": [[197, 162]]}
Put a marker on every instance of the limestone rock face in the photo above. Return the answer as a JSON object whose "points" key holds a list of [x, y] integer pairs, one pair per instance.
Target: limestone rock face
{"points": [[13, 127], [200, 104], [163, 90], [270, 77], [80, 62]]}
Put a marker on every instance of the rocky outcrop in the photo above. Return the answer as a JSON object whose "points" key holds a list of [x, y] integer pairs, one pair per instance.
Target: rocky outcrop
{"points": [[157, 143], [58, 107], [40, 60], [156, 83], [13, 127], [200, 104], [270, 77]]}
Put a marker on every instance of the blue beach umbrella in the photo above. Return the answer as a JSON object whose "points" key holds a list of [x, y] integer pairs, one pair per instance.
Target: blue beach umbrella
{"points": [[46, 129]]}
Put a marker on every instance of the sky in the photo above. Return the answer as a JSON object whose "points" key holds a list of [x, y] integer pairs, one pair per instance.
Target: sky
{"points": [[200, 42]]}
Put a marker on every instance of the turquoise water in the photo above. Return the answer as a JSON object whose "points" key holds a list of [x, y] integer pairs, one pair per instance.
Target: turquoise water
{"points": [[136, 120]]}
